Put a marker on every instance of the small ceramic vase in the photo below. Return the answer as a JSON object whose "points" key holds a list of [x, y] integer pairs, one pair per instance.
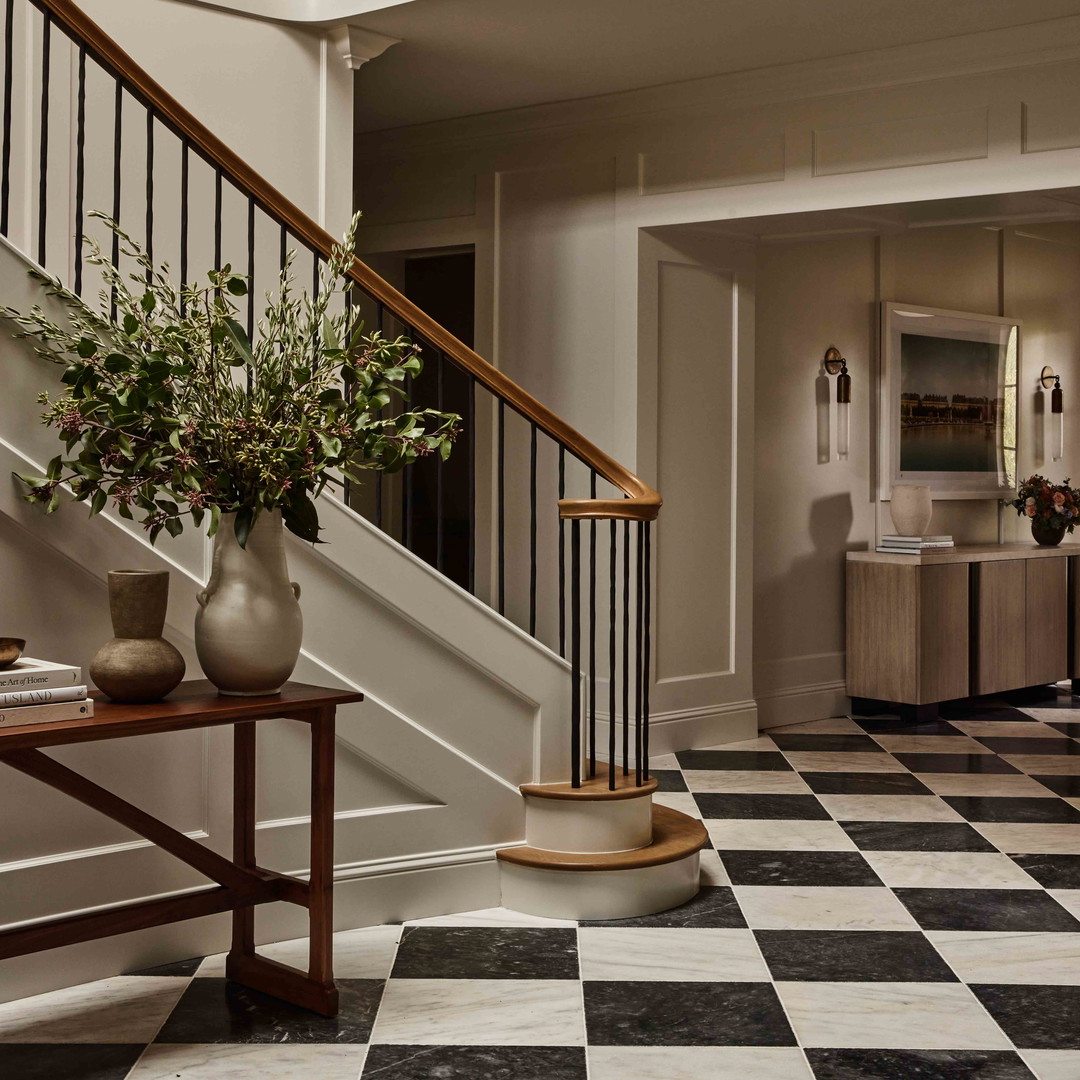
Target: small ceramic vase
{"points": [[249, 626], [138, 665], [1045, 534], [911, 508]]}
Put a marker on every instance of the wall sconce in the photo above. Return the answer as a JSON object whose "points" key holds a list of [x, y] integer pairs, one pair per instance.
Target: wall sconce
{"points": [[836, 365], [1055, 429]]}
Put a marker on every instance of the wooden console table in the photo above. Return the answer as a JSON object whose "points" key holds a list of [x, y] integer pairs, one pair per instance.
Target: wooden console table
{"points": [[953, 622], [241, 883]]}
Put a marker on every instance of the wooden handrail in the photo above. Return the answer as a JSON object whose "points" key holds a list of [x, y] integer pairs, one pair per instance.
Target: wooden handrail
{"points": [[642, 503]]}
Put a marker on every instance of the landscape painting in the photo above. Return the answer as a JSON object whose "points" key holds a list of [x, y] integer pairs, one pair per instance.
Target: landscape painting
{"points": [[949, 401]]}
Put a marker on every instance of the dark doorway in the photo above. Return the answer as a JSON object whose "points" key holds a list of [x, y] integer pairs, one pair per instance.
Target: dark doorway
{"points": [[437, 518]]}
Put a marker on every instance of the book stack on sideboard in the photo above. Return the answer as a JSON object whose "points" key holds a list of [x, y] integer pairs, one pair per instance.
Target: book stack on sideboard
{"points": [[914, 545], [41, 692]]}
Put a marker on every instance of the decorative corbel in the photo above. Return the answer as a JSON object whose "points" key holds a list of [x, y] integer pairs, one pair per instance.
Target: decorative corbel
{"points": [[357, 46]]}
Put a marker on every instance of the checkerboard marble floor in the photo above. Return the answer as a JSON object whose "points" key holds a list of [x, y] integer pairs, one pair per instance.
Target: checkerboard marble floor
{"points": [[881, 902]]}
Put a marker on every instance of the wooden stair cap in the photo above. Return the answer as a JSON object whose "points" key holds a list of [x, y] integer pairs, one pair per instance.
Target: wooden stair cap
{"points": [[675, 835], [594, 788]]}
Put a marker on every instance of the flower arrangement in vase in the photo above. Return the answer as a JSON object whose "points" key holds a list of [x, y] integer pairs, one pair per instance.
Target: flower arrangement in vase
{"points": [[174, 415], [1052, 508]]}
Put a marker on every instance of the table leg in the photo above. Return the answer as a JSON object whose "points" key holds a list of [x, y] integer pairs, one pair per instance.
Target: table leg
{"points": [[243, 920], [321, 887]]}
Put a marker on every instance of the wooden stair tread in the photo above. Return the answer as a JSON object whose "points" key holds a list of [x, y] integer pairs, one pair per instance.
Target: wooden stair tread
{"points": [[593, 789], [675, 836]]}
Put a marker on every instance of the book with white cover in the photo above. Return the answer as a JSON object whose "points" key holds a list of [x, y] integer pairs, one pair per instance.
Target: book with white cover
{"points": [[917, 547], [17, 698], [916, 539], [47, 714], [29, 674]]}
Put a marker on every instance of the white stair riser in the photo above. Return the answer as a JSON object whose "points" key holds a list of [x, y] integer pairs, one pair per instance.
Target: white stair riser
{"points": [[588, 825], [599, 894]]}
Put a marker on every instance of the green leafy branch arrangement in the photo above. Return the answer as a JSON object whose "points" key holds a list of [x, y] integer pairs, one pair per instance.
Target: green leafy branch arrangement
{"points": [[172, 414]]}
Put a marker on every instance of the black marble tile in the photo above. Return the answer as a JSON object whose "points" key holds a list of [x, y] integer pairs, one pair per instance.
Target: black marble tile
{"points": [[1036, 745], [1051, 871], [669, 780], [714, 906], [685, 1014], [915, 836], [827, 743], [799, 868], [1012, 808], [1069, 727], [714, 804], [956, 763], [181, 969], [1067, 786], [486, 952], [67, 1061], [852, 956], [1035, 1017], [1021, 910], [395, 1062], [890, 725], [854, 783], [918, 1065], [975, 711], [220, 1011], [756, 760]]}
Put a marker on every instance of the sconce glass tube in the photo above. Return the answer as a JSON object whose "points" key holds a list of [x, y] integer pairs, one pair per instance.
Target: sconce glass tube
{"points": [[1057, 421], [843, 412]]}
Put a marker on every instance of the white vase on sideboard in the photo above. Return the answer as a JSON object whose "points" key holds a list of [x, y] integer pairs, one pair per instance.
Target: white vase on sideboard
{"points": [[911, 508]]}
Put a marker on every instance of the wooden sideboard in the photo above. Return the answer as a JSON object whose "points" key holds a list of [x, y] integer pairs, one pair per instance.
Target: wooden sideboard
{"points": [[945, 624]]}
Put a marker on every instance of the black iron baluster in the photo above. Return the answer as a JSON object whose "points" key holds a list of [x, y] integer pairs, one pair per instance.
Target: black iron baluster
{"points": [[613, 680], [407, 478], [80, 168], [532, 530], [150, 193], [439, 526], [283, 248], [5, 152], [185, 177], [379, 312], [217, 218], [118, 131], [470, 421], [251, 272], [626, 650], [638, 654], [562, 554], [646, 677], [501, 454], [575, 653], [43, 150], [592, 631]]}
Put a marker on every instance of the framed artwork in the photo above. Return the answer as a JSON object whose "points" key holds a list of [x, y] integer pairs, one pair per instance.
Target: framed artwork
{"points": [[948, 402]]}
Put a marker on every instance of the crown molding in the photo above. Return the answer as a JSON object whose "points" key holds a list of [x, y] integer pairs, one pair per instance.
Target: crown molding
{"points": [[313, 13], [1030, 45]]}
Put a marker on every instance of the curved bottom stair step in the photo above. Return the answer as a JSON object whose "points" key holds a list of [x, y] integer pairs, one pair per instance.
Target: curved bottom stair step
{"points": [[612, 885]]}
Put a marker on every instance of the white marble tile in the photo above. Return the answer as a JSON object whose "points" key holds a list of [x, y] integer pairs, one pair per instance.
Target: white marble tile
{"points": [[712, 869], [835, 761], [948, 870], [366, 953], [678, 800], [673, 955], [1007, 729], [127, 1009], [697, 1063], [762, 742], [742, 834], [992, 784], [1053, 1064], [771, 907], [755, 782], [664, 761], [833, 725], [888, 808], [1045, 764], [1069, 899], [925, 1016], [479, 1012], [498, 916], [931, 744], [249, 1061], [1031, 838], [984, 957]]}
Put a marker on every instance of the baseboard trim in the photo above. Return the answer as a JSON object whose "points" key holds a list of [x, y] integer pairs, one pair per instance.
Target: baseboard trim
{"points": [[797, 704], [687, 729]]}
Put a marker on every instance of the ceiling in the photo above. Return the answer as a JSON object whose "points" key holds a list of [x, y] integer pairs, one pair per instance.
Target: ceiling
{"points": [[463, 57]]}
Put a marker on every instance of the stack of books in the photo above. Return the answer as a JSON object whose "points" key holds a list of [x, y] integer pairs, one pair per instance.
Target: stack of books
{"points": [[912, 545], [39, 692]]}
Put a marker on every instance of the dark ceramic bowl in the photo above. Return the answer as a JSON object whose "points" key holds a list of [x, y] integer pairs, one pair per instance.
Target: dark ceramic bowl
{"points": [[10, 650]]}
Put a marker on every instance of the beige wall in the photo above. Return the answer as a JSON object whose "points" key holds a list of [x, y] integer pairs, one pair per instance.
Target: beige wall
{"points": [[819, 293]]}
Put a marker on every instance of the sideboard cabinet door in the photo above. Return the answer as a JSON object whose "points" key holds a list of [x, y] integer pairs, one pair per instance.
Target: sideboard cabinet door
{"points": [[1047, 610], [998, 631]]}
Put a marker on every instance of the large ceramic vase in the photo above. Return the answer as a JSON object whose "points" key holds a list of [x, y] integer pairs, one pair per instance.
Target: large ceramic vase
{"points": [[911, 509], [249, 627], [138, 665], [1045, 534]]}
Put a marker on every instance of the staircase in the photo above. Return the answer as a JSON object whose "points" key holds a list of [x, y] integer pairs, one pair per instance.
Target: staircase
{"points": [[559, 579]]}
